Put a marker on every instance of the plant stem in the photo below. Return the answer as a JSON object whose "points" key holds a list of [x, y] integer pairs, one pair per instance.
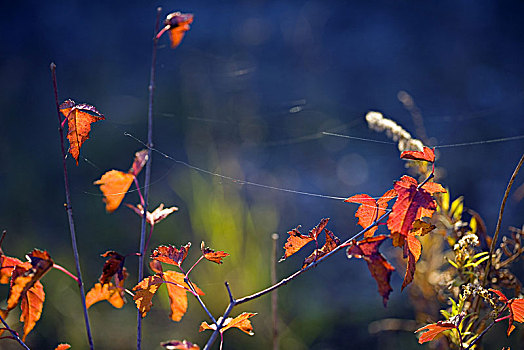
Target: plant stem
{"points": [[69, 210], [234, 302], [499, 221], [15, 334], [274, 295], [64, 270], [148, 173]]}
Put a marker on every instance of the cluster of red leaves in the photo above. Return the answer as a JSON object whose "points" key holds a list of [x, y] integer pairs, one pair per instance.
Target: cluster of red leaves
{"points": [[79, 119], [114, 184], [516, 309], [25, 287], [413, 202]]}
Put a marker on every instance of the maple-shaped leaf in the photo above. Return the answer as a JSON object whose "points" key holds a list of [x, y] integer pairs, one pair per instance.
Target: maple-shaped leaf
{"points": [[144, 292], [176, 24], [412, 203], [170, 254], [178, 294], [516, 309], [113, 265], [79, 120], [141, 158], [177, 344], [156, 216], [31, 306], [108, 292], [434, 329], [241, 322], [114, 185], [211, 255], [427, 154], [63, 347], [332, 242], [380, 268], [371, 209], [296, 240]]}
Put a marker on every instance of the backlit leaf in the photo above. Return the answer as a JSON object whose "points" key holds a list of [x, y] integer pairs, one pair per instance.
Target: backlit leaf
{"points": [[31, 306], [178, 295], [427, 154], [332, 242], [114, 185], [434, 329], [241, 322], [113, 265], [170, 254], [296, 240], [108, 292], [141, 158], [7, 266], [211, 255], [79, 120], [370, 209], [144, 292], [379, 267], [156, 216], [63, 347], [176, 24], [516, 309]]}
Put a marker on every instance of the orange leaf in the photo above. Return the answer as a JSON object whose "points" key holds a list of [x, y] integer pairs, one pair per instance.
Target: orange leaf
{"points": [[211, 255], [516, 309], [144, 292], [434, 329], [32, 304], [79, 120], [114, 185], [332, 242], [241, 322], [21, 281], [412, 204], [296, 240], [113, 265], [7, 266], [411, 267], [177, 295], [141, 158], [63, 347], [108, 292], [427, 154], [379, 267], [370, 209], [170, 254], [177, 344], [177, 24]]}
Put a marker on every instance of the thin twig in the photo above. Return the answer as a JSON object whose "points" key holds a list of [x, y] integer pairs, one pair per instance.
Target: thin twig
{"points": [[485, 329], [499, 221], [69, 210], [64, 270], [148, 172], [15, 334], [274, 295], [234, 302]]}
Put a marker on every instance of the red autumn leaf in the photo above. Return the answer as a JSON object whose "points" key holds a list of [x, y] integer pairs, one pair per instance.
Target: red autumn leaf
{"points": [[156, 216], [63, 347], [177, 344], [332, 242], [79, 120], [427, 154], [241, 322], [109, 292], [140, 160], [434, 329], [7, 266], [516, 309], [177, 24], [178, 294], [379, 267], [211, 255], [114, 185], [113, 265], [413, 248], [170, 254], [176, 288], [412, 203], [370, 209], [31, 306], [296, 240]]}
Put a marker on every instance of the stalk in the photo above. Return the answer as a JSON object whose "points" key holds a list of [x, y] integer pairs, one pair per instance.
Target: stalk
{"points": [[148, 172], [69, 210]]}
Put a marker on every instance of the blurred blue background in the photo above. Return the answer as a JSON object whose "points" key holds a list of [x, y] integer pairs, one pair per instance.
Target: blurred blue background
{"points": [[247, 95]]}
